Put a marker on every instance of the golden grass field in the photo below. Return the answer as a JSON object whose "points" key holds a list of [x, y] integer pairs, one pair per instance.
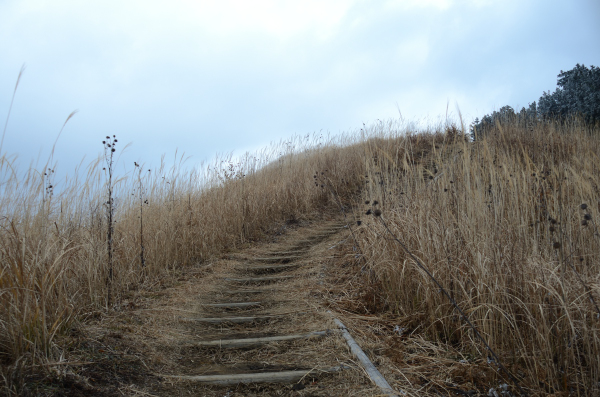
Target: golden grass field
{"points": [[507, 225]]}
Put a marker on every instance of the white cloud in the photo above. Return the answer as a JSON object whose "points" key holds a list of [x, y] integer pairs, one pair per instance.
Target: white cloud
{"points": [[409, 4], [216, 75]]}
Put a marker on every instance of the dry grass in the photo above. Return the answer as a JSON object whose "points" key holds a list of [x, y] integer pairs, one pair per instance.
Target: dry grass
{"points": [[53, 244], [497, 222]]}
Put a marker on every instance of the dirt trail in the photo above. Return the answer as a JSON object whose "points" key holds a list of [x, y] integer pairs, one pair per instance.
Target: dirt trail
{"points": [[255, 324]]}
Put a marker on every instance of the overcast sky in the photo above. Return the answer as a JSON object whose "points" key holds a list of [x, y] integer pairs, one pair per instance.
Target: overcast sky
{"points": [[209, 77]]}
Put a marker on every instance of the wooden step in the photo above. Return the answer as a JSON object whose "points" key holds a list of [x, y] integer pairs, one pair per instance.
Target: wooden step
{"points": [[287, 258], [257, 279], [233, 305], [249, 342], [296, 252], [270, 267], [261, 377], [237, 320], [250, 291]]}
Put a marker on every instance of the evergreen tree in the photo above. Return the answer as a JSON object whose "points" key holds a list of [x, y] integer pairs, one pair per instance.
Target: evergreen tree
{"points": [[578, 94]]}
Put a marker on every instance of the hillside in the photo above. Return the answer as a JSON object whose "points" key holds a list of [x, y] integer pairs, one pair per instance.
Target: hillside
{"points": [[502, 230]]}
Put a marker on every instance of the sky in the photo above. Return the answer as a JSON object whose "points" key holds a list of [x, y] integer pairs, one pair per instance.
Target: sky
{"points": [[208, 77]]}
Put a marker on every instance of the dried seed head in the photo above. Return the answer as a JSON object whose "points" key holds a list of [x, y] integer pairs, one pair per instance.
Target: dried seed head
{"points": [[583, 206], [581, 259], [584, 222], [377, 212], [552, 229], [368, 212], [587, 217], [367, 201], [375, 202], [358, 222], [556, 245]]}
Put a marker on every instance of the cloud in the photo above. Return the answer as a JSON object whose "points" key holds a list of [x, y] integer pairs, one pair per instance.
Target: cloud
{"points": [[213, 76]]}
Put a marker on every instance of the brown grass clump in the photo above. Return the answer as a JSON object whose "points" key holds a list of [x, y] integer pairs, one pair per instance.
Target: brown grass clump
{"points": [[500, 224]]}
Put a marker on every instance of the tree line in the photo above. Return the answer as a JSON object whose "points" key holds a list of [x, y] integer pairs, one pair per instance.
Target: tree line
{"points": [[577, 95]]}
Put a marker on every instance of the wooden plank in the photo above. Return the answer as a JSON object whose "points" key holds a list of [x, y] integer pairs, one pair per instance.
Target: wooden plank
{"points": [[286, 253], [237, 320], [233, 305], [257, 279], [244, 319], [250, 291], [373, 373], [277, 258], [261, 377], [271, 267], [248, 342]]}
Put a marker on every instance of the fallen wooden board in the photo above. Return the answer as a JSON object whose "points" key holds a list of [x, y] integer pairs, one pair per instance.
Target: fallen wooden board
{"points": [[373, 373], [248, 342], [261, 377]]}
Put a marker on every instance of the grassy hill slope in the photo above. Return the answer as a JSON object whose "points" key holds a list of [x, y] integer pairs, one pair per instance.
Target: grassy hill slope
{"points": [[507, 226]]}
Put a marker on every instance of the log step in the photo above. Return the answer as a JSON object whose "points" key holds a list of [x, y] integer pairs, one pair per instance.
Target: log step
{"points": [[237, 320], [277, 258], [233, 305], [296, 252], [249, 342], [250, 291], [270, 267], [261, 377], [257, 279]]}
